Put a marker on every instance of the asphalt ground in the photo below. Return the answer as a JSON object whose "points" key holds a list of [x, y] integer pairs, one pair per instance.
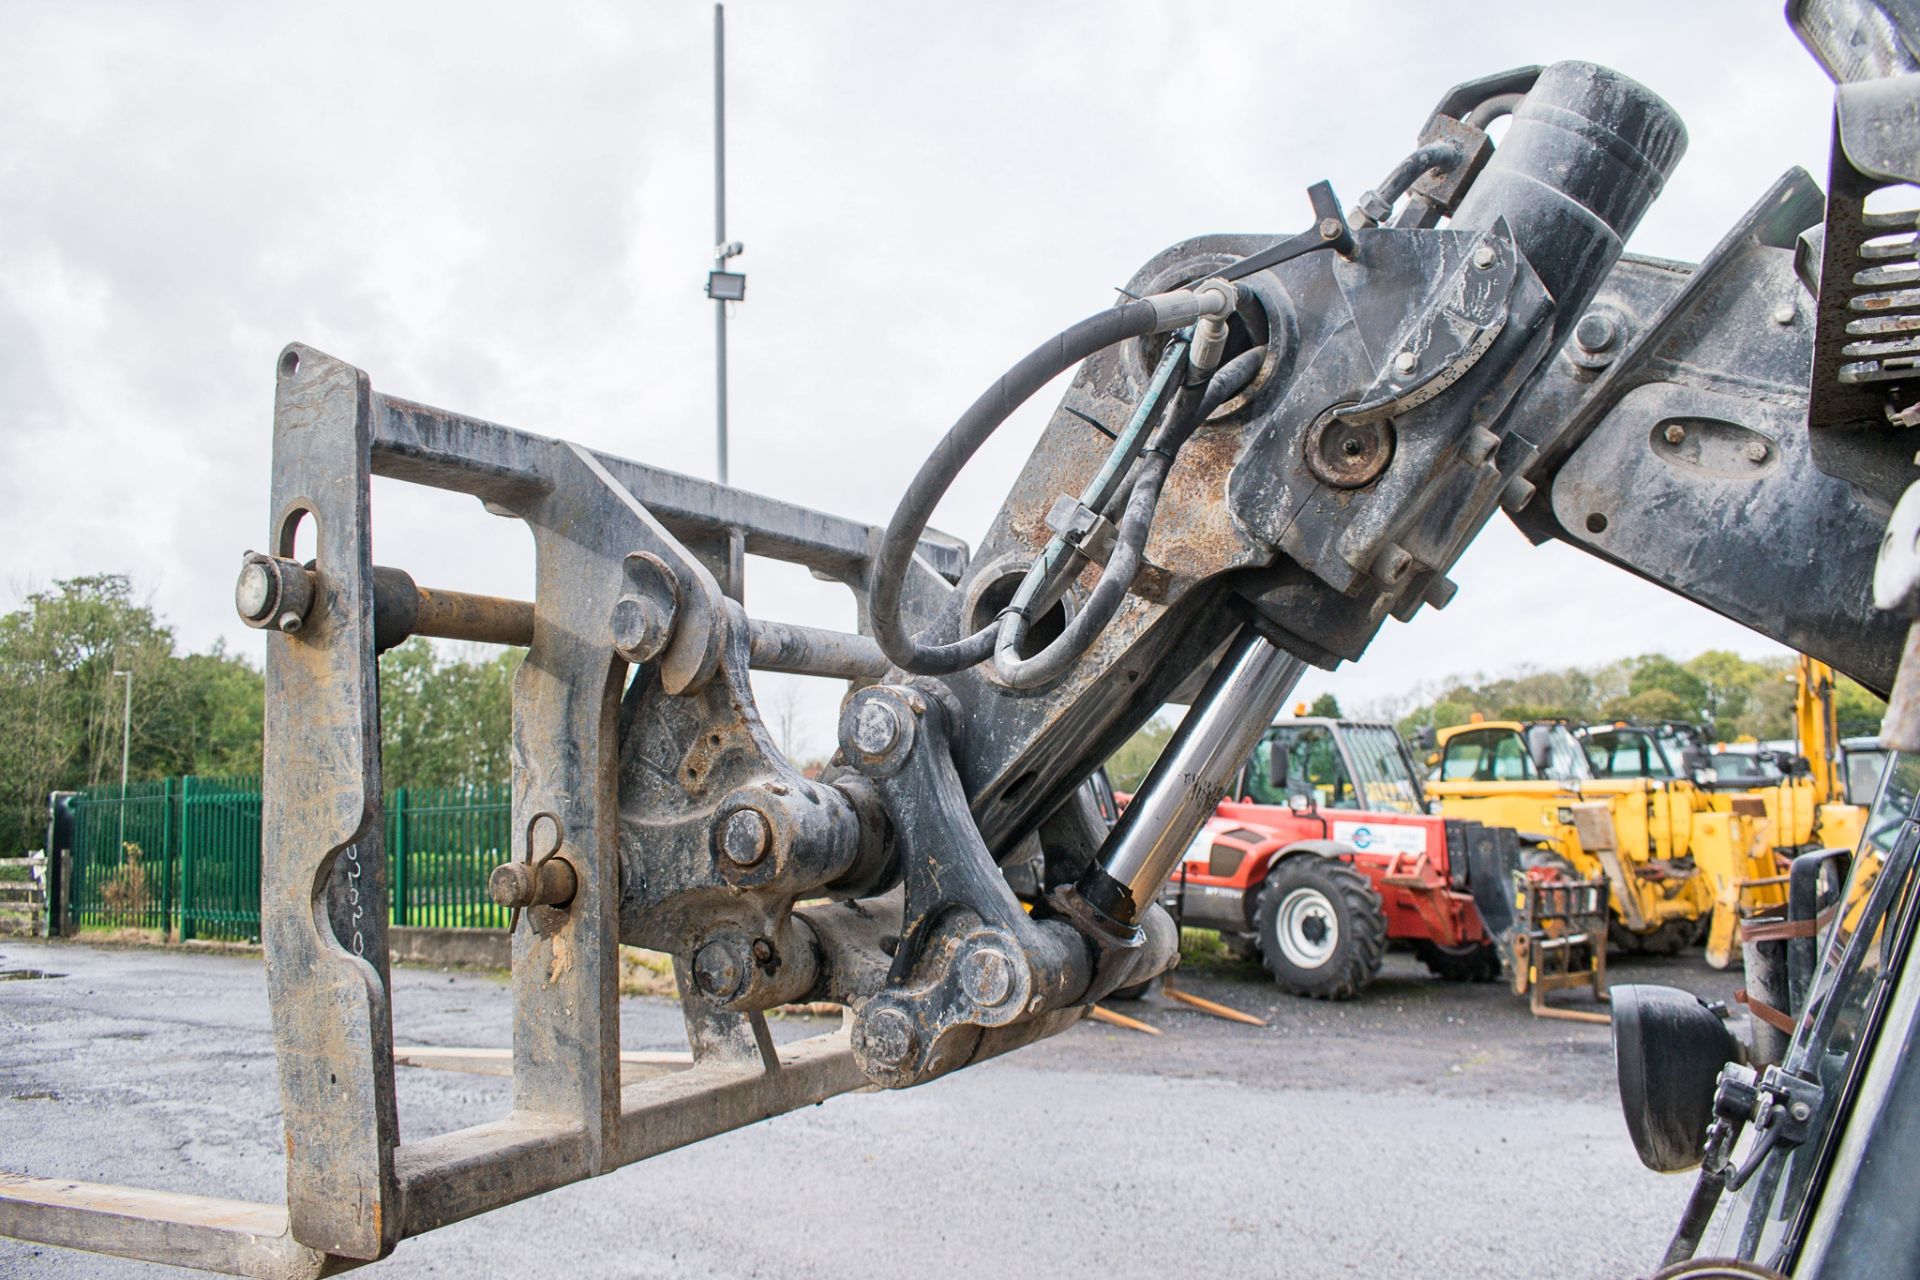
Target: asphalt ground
{"points": [[1426, 1129]]}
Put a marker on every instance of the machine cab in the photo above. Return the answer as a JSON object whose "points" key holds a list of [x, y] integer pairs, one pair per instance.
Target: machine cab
{"points": [[1635, 751], [1336, 764], [1508, 751]]}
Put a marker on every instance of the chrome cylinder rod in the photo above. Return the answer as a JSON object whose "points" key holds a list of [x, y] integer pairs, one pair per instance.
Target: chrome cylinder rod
{"points": [[1226, 721]]}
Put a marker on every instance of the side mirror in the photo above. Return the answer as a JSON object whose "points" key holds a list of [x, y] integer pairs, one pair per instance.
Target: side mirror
{"points": [[1668, 1048], [1540, 747], [1301, 802], [1425, 738]]}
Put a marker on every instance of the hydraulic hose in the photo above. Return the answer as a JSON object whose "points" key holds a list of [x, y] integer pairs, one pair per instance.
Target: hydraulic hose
{"points": [[1491, 109], [1123, 566], [1191, 406], [1377, 205], [963, 440]]}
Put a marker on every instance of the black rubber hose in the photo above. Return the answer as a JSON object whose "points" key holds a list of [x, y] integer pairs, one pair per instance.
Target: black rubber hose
{"points": [[1104, 601], [1433, 155], [1228, 381], [1491, 109], [1188, 410], [937, 473]]}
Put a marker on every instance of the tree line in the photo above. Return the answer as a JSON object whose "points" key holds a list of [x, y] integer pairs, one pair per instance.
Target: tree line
{"points": [[447, 711], [1735, 697], [446, 717], [62, 706]]}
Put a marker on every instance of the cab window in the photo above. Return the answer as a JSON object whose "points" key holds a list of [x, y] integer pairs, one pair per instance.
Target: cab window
{"points": [[1625, 754], [1486, 755], [1313, 766]]}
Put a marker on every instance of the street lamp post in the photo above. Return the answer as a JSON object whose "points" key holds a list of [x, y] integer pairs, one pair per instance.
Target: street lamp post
{"points": [[126, 740], [723, 286]]}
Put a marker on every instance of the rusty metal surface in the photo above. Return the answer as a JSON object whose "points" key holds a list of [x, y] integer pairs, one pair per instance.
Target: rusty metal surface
{"points": [[459, 615], [323, 864]]}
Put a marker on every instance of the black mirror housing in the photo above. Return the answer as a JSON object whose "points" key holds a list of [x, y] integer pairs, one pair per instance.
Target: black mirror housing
{"points": [[1668, 1049]]}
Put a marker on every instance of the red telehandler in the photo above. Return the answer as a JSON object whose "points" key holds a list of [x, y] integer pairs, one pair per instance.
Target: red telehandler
{"points": [[1323, 855]]}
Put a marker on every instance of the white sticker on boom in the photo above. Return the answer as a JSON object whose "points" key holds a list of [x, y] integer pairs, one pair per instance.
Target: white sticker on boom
{"points": [[1381, 837]]}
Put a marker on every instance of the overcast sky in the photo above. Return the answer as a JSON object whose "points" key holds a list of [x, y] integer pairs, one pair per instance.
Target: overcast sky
{"points": [[507, 210]]}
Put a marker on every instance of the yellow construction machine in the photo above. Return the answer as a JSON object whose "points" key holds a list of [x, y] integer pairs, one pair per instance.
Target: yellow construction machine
{"points": [[1677, 864]]}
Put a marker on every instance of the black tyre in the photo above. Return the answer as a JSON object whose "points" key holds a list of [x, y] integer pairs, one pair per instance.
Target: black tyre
{"points": [[1135, 991], [1469, 962], [1322, 930]]}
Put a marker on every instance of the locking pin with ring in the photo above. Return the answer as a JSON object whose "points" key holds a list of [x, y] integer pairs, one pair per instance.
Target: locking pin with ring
{"points": [[548, 881]]}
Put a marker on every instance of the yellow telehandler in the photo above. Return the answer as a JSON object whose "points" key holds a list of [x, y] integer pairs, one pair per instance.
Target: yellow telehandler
{"points": [[1677, 864]]}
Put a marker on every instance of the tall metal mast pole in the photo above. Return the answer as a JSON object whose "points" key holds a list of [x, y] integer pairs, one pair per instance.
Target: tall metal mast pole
{"points": [[720, 227]]}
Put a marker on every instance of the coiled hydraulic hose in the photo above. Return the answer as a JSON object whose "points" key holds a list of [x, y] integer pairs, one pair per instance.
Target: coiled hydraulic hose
{"points": [[963, 440], [1191, 406]]}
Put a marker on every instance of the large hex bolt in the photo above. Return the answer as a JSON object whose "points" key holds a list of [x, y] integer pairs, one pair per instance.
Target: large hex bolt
{"points": [[877, 728], [885, 1038], [986, 976], [744, 836], [273, 592], [718, 969], [1596, 340]]}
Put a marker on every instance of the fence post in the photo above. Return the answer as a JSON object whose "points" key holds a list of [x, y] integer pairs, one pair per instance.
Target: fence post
{"points": [[398, 854], [186, 857], [169, 834]]}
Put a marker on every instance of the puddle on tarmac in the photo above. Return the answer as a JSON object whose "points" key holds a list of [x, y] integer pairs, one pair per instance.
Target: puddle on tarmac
{"points": [[21, 975]]}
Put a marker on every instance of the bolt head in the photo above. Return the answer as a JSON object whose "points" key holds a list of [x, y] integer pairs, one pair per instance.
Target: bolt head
{"points": [[886, 1038], [1784, 313], [1801, 1111], [290, 622], [718, 970], [1329, 228], [762, 951], [987, 977], [745, 837], [1406, 362], [1484, 256], [254, 594], [640, 628], [1756, 451], [876, 727], [1675, 433], [1596, 332]]}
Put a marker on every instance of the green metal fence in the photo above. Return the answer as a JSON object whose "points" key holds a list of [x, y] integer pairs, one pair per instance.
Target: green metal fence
{"points": [[183, 855]]}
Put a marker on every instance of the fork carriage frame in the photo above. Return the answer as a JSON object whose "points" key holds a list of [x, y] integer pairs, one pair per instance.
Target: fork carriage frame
{"points": [[354, 1189]]}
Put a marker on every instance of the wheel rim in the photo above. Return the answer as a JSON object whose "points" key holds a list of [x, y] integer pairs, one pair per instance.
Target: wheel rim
{"points": [[1306, 928]]}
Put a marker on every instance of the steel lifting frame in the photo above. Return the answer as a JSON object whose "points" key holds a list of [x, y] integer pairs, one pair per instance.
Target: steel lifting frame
{"points": [[354, 1189]]}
